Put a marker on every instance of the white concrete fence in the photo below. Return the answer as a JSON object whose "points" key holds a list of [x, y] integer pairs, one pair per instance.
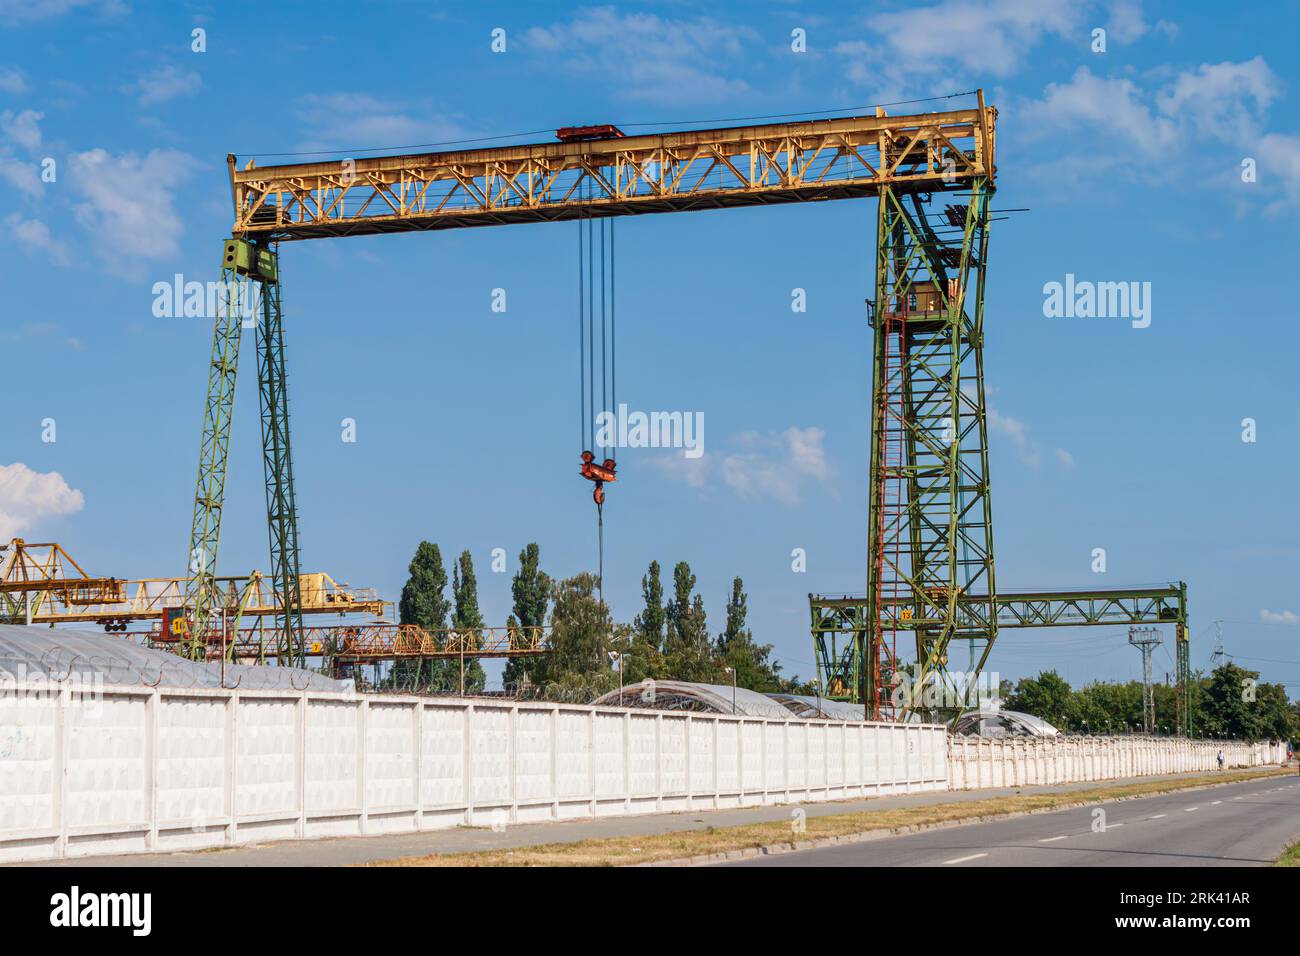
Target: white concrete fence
{"points": [[975, 763], [135, 769]]}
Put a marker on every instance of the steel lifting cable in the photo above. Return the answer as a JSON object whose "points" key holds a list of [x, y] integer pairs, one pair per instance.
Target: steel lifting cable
{"points": [[604, 471], [582, 348]]}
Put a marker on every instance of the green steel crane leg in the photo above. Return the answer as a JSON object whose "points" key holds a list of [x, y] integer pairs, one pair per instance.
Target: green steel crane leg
{"points": [[277, 461], [214, 450], [930, 529]]}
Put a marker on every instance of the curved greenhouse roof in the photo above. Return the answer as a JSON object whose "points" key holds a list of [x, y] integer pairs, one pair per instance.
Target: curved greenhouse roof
{"points": [[43, 653], [1003, 723], [702, 698], [717, 699], [815, 708]]}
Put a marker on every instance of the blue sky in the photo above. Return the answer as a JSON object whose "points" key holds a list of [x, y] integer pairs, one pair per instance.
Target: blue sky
{"points": [[1103, 435]]}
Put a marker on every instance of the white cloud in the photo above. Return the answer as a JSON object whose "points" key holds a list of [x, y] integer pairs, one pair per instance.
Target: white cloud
{"points": [[19, 174], [23, 128], [1221, 100], [27, 496], [12, 80], [30, 11], [1027, 449], [1113, 104], [693, 471], [956, 44], [35, 234], [164, 83], [129, 203], [20, 129], [953, 44], [1278, 617], [645, 57], [1279, 161], [1013, 428], [989, 36], [351, 120], [1160, 133], [41, 334], [775, 465]]}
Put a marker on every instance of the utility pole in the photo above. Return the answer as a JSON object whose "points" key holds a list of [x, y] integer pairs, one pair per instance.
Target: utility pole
{"points": [[1145, 639]]}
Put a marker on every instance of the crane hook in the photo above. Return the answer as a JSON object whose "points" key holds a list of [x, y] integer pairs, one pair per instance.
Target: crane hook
{"points": [[599, 474]]}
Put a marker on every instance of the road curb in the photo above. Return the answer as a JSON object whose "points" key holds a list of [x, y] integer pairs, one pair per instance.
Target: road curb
{"points": [[881, 833]]}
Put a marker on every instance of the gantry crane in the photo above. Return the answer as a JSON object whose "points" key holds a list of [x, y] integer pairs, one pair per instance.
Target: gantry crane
{"points": [[930, 544]]}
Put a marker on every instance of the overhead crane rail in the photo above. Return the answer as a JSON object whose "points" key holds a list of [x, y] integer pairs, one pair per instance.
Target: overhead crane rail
{"points": [[373, 642]]}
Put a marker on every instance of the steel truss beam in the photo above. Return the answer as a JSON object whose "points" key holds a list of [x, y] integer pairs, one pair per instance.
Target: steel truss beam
{"points": [[669, 172]]}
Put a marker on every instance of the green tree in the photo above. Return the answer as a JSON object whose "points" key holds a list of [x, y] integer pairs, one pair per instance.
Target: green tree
{"points": [[531, 589], [736, 647], [688, 650], [467, 618], [424, 604], [582, 633], [649, 623], [1107, 708], [1047, 696], [1234, 703]]}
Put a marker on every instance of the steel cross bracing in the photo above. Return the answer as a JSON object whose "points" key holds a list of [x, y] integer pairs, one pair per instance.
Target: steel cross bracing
{"points": [[841, 626], [799, 161]]}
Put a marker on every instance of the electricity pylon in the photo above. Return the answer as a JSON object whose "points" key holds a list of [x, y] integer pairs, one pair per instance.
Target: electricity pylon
{"points": [[1146, 639]]}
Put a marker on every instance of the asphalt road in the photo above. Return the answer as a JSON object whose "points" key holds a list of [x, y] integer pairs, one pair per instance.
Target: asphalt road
{"points": [[1241, 824]]}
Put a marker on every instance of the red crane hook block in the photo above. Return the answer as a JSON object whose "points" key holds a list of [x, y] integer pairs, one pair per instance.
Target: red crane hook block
{"points": [[599, 474]]}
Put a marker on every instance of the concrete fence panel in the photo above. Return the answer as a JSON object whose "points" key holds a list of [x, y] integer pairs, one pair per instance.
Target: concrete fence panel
{"points": [[137, 769]]}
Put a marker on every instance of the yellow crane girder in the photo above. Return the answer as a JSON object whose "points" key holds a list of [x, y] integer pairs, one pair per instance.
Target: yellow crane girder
{"points": [[663, 172]]}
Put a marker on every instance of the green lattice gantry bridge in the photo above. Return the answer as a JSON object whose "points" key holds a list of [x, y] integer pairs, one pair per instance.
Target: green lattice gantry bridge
{"points": [[842, 627]]}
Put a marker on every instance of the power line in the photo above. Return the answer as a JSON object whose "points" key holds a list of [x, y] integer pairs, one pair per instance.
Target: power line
{"points": [[621, 125]]}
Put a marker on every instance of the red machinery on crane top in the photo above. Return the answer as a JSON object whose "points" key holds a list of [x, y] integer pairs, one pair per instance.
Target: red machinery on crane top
{"points": [[582, 134]]}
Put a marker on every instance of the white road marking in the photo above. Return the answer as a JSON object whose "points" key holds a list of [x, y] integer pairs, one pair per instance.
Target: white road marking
{"points": [[1053, 839], [1157, 816], [1215, 803], [1111, 826], [963, 859], [1190, 809]]}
